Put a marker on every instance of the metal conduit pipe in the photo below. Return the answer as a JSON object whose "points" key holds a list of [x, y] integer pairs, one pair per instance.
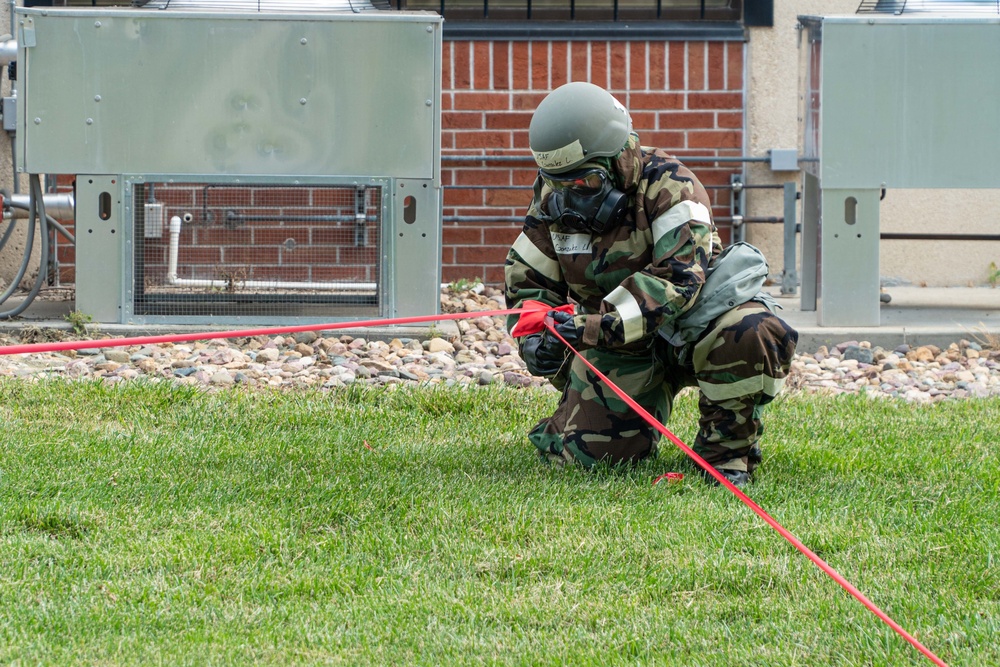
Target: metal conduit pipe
{"points": [[8, 50], [233, 218], [57, 205], [514, 218], [731, 186], [174, 248], [528, 158], [24, 211]]}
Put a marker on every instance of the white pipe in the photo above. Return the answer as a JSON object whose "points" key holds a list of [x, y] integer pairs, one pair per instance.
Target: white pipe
{"points": [[175, 234]]}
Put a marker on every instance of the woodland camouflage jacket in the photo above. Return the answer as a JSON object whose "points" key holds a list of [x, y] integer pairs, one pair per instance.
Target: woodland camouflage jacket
{"points": [[636, 277]]}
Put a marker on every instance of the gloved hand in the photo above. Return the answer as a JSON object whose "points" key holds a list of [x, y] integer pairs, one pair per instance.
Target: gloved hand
{"points": [[567, 326], [543, 354]]}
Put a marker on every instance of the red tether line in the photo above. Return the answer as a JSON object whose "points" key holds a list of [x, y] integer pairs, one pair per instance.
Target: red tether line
{"points": [[273, 331], [757, 509], [243, 333]]}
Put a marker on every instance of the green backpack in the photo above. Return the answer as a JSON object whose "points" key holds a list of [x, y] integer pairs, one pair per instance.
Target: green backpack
{"points": [[733, 278]]}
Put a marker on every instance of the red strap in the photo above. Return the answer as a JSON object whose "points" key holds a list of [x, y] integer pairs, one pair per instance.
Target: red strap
{"points": [[671, 477], [707, 467], [532, 320], [244, 333]]}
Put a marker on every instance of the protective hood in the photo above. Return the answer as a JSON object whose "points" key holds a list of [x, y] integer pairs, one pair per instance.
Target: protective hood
{"points": [[627, 165]]}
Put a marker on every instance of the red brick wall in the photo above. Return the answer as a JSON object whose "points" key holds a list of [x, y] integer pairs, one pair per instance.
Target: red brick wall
{"points": [[686, 97], [66, 251]]}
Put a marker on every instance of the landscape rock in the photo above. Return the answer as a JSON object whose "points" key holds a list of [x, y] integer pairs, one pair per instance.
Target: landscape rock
{"points": [[483, 354]]}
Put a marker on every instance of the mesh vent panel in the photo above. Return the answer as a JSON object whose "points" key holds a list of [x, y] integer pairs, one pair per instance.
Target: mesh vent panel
{"points": [[257, 251]]}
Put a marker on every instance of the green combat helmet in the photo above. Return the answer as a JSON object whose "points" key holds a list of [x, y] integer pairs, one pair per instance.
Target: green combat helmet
{"points": [[574, 123]]}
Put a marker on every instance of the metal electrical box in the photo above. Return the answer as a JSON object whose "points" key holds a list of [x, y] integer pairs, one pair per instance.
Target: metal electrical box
{"points": [[886, 102], [299, 150]]}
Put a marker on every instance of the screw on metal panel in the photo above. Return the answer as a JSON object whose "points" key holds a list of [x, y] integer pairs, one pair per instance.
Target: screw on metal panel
{"points": [[90, 121], [38, 121], [97, 24], [97, 98], [430, 28], [428, 102], [302, 100], [303, 41]]}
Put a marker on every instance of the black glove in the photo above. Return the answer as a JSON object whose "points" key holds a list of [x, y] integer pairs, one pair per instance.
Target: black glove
{"points": [[567, 327], [543, 354]]}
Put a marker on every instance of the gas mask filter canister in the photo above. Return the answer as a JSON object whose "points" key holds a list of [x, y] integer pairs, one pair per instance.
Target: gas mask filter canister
{"points": [[585, 200]]}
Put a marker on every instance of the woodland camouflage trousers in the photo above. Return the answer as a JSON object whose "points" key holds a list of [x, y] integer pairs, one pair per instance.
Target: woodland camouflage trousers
{"points": [[739, 365]]}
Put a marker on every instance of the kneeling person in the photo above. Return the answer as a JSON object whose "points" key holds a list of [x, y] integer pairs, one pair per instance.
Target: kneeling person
{"points": [[625, 234]]}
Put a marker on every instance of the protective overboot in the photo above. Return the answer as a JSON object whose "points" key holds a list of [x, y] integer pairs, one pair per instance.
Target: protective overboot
{"points": [[735, 477], [738, 477], [559, 460]]}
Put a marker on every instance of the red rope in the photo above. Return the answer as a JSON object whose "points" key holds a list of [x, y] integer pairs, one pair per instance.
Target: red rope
{"points": [[273, 331], [757, 509], [243, 333]]}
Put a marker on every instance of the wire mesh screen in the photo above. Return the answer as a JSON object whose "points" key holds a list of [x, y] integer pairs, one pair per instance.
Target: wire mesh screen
{"points": [[256, 251], [941, 7]]}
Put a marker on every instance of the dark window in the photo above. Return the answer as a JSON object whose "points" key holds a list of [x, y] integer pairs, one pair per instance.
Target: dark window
{"points": [[572, 19], [581, 10]]}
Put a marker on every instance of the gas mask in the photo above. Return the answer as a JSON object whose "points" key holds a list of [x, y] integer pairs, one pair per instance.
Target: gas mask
{"points": [[585, 200]]}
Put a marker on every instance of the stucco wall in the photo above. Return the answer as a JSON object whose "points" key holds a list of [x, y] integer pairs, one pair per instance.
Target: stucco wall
{"points": [[772, 122]]}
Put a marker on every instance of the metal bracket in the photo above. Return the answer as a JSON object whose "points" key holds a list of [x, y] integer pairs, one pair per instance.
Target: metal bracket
{"points": [[28, 35], [360, 219], [10, 114], [738, 207]]}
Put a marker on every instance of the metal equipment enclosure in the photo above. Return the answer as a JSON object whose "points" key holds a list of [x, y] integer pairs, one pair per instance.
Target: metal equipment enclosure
{"points": [[231, 166], [888, 102]]}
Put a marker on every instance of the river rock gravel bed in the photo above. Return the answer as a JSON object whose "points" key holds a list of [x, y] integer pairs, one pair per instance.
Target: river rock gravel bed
{"points": [[482, 353]]}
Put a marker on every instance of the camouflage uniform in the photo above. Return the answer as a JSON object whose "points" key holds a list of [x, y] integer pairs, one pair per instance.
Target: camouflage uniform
{"points": [[627, 283]]}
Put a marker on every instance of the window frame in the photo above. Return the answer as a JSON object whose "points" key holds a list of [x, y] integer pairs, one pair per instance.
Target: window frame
{"points": [[619, 23]]}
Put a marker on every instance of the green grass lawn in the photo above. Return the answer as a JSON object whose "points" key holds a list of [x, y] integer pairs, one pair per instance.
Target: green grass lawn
{"points": [[154, 524]]}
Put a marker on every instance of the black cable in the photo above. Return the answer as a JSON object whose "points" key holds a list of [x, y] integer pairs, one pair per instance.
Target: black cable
{"points": [[38, 206], [6, 234], [29, 244]]}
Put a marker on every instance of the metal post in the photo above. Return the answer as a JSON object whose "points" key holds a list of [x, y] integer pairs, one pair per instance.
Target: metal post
{"points": [[849, 271], [790, 277], [810, 241]]}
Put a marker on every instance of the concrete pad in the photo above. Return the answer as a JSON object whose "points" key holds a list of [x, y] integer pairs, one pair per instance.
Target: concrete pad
{"points": [[914, 316]]}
